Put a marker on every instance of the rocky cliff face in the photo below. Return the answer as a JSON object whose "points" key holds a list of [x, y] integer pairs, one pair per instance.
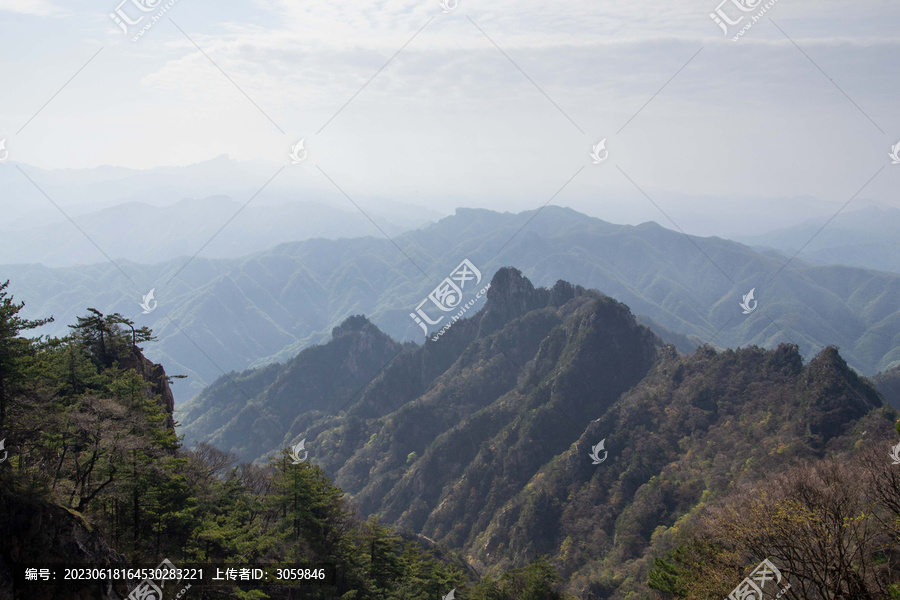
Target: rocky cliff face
{"points": [[36, 533], [834, 395], [157, 382], [510, 295]]}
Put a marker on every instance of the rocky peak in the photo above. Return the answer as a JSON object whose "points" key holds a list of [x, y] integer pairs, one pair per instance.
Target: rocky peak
{"points": [[836, 393], [511, 295], [563, 291], [349, 325]]}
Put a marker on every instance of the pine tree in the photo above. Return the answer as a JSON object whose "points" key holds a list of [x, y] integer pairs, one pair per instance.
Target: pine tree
{"points": [[14, 350]]}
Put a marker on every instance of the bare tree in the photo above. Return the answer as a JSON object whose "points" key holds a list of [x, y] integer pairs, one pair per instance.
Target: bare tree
{"points": [[825, 525]]}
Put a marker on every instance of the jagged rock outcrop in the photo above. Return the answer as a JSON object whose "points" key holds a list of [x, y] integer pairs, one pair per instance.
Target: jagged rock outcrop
{"points": [[836, 395], [157, 381], [511, 295]]}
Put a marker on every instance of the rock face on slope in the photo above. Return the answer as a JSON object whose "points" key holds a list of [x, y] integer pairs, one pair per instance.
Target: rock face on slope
{"points": [[36, 533], [510, 295], [157, 382]]}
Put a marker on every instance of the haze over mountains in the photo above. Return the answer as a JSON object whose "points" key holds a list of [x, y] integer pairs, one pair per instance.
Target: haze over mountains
{"points": [[219, 315], [862, 238], [155, 214], [487, 301], [168, 232]]}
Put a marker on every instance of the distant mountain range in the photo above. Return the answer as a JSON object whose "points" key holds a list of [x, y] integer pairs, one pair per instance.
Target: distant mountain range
{"points": [[149, 234], [35, 197], [865, 238], [220, 315], [549, 423], [157, 214]]}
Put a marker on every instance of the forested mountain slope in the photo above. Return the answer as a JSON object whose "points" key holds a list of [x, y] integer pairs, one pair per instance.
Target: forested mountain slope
{"points": [[482, 439]]}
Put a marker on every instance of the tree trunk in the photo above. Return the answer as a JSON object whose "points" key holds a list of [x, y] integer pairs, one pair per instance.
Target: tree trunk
{"points": [[2, 403]]}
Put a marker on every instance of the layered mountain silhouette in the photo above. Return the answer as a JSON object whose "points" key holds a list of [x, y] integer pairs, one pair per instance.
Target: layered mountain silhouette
{"points": [[218, 316], [888, 383], [180, 229], [482, 439], [861, 238]]}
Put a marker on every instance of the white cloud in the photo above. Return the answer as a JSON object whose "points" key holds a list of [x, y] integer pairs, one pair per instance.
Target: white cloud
{"points": [[40, 8], [745, 116]]}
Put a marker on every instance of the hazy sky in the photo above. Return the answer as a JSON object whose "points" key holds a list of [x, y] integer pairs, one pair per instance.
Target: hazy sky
{"points": [[451, 120]]}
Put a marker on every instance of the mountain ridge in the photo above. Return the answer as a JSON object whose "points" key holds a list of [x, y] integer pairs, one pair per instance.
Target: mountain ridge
{"points": [[481, 440], [290, 297]]}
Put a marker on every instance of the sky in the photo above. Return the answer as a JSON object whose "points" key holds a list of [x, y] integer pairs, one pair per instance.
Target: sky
{"points": [[495, 104]]}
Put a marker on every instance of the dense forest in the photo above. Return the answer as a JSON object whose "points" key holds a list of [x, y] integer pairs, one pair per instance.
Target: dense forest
{"points": [[96, 475], [717, 461]]}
